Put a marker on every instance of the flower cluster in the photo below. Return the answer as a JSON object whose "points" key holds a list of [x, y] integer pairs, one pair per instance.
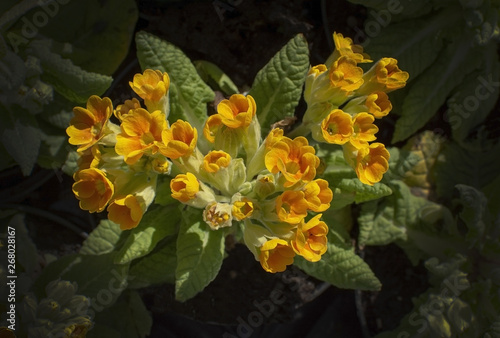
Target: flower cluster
{"points": [[343, 103], [267, 187], [119, 164]]}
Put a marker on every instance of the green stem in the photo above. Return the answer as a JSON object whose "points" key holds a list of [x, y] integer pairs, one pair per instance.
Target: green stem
{"points": [[46, 215], [302, 130]]}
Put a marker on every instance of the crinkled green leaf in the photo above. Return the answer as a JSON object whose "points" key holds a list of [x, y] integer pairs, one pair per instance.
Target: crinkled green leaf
{"points": [[94, 28], [188, 93], [430, 90], [70, 166], [476, 166], [156, 224], [20, 136], [156, 268], [200, 252], [340, 266], [215, 77], [103, 239], [97, 276], [347, 184], [69, 80], [54, 147], [384, 221], [278, 85], [12, 72], [476, 96]]}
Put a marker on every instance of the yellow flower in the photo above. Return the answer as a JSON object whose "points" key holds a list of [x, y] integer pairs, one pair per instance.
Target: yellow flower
{"points": [[242, 209], [274, 136], [152, 85], [123, 109], [211, 127], [275, 255], [345, 75], [93, 189], [179, 140], [384, 76], [378, 104], [318, 195], [310, 241], [363, 130], [141, 133], [337, 127], [215, 160], [184, 187], [160, 164], [238, 111], [88, 126], [295, 159], [291, 206], [345, 47], [372, 163], [126, 211], [89, 158], [218, 215]]}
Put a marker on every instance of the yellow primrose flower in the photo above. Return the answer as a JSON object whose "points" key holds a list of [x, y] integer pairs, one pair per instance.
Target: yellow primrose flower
{"points": [[372, 163], [93, 189], [295, 159], [336, 128], [345, 47], [126, 211], [89, 158], [160, 164], [238, 111], [215, 160], [274, 136], [275, 255], [242, 209], [318, 195], [211, 127], [310, 241], [123, 109], [141, 133], [363, 130], [88, 126], [291, 206], [179, 140], [345, 75], [384, 76], [184, 187], [218, 215], [378, 104], [152, 85]]}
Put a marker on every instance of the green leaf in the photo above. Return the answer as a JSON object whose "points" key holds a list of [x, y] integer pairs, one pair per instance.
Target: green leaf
{"points": [[474, 212], [140, 315], [69, 80], [200, 252], [188, 93], [385, 221], [156, 224], [346, 186], [476, 96], [20, 136], [96, 275], [401, 162], [430, 90], [94, 28], [421, 44], [278, 85], [163, 192], [340, 266], [102, 239], [476, 166], [215, 77], [54, 147], [156, 268]]}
